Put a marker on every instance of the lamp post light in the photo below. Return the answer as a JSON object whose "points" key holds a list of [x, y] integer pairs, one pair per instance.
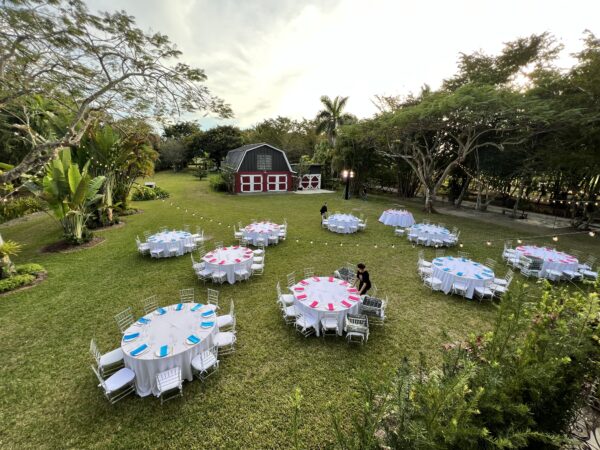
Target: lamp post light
{"points": [[347, 175]]}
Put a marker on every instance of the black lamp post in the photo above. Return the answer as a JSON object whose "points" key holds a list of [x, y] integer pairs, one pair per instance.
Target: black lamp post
{"points": [[347, 175]]}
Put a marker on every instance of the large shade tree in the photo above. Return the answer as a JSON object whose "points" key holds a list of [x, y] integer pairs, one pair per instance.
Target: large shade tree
{"points": [[88, 63]]}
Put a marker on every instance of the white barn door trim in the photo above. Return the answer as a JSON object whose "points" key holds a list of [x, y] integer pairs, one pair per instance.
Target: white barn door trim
{"points": [[251, 183], [310, 182], [277, 183]]}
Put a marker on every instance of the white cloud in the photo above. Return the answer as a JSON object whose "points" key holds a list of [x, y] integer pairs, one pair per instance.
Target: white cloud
{"points": [[269, 58]]}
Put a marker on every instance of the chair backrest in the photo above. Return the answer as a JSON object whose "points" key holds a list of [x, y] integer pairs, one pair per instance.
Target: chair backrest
{"points": [[199, 230], [124, 319], [213, 297], [163, 229], [231, 308], [137, 240], [291, 279], [591, 260], [170, 379], [442, 225], [95, 352], [464, 254], [426, 221], [100, 380], [218, 244], [201, 250], [278, 287], [193, 260], [187, 295], [240, 226], [333, 316], [186, 228], [147, 234], [150, 304], [491, 263], [454, 230], [509, 274], [421, 255], [439, 252], [309, 272]]}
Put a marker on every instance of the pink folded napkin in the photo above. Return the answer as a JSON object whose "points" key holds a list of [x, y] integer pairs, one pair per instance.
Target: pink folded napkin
{"points": [[238, 260], [213, 260], [222, 262], [316, 278], [331, 279], [352, 290], [330, 306], [550, 259], [224, 248], [314, 304], [304, 283], [301, 296], [354, 297], [236, 247], [344, 283], [209, 255], [346, 304], [299, 289]]}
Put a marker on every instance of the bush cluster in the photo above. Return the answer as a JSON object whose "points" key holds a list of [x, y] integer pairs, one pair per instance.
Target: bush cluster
{"points": [[19, 207], [16, 281], [143, 193], [30, 269], [217, 183]]}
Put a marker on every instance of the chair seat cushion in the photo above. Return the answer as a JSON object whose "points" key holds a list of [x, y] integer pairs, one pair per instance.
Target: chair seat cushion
{"points": [[144, 246], [223, 339], [224, 321], [290, 311], [329, 323], [590, 274], [572, 274], [483, 291], [119, 379], [500, 282], [288, 299], [165, 386], [305, 323], [459, 286], [219, 274], [256, 266], [110, 358], [204, 272], [258, 252], [258, 259], [424, 263]]}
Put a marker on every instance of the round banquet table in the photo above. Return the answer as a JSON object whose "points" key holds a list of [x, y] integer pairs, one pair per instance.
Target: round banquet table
{"points": [[165, 240], [451, 270], [429, 232], [171, 328], [316, 296], [348, 221], [225, 259], [553, 259], [260, 229], [397, 218]]}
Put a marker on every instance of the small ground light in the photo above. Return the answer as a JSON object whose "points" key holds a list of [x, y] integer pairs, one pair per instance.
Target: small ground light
{"points": [[488, 243], [592, 234], [519, 241], [555, 238], [460, 245]]}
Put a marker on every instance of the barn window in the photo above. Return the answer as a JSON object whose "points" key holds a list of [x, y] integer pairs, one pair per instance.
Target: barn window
{"points": [[264, 162]]}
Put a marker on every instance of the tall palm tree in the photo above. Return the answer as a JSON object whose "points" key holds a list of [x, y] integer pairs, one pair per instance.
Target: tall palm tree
{"points": [[329, 119]]}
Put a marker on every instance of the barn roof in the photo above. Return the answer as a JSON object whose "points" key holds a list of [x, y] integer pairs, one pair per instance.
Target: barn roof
{"points": [[235, 157]]}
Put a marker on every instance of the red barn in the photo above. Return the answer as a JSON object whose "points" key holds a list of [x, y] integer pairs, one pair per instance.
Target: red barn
{"points": [[260, 168]]}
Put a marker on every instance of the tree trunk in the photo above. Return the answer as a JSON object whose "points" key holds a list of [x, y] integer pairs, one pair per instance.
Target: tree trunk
{"points": [[429, 196], [463, 191]]}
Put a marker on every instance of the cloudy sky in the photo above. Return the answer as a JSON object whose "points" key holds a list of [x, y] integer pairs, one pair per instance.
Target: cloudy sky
{"points": [[277, 57]]}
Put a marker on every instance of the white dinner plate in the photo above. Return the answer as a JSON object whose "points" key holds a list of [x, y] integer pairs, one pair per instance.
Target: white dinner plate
{"points": [[157, 352]]}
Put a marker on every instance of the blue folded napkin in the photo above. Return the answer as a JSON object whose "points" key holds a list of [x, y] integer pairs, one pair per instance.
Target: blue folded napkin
{"points": [[460, 274], [161, 311], [438, 264], [164, 351], [197, 307], [143, 321], [487, 275], [207, 313], [193, 338], [139, 350], [479, 277], [476, 264], [463, 259], [447, 269], [487, 270], [179, 307], [449, 257], [207, 324], [131, 336]]}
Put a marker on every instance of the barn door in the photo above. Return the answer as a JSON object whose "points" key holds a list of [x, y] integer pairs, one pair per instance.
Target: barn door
{"points": [[277, 182], [251, 183], [310, 182]]}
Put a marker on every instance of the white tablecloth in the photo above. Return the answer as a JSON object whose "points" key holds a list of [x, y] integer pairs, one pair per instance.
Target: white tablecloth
{"points": [[172, 329], [397, 218], [314, 297], [225, 259], [429, 231], [461, 270], [348, 221], [260, 229], [553, 259], [168, 239]]}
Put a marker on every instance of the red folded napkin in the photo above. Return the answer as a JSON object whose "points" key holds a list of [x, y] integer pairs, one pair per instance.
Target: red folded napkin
{"points": [[300, 297], [344, 283], [331, 279], [550, 259], [354, 297], [222, 262], [236, 246], [314, 304], [213, 260], [352, 290], [346, 304], [298, 288], [330, 306], [304, 283], [238, 260], [209, 255], [316, 278], [224, 248]]}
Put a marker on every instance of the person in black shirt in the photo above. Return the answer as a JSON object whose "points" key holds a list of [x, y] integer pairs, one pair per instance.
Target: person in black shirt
{"points": [[362, 276], [324, 211]]}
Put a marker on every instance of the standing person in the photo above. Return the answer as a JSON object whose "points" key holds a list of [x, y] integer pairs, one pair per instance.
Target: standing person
{"points": [[363, 279], [324, 211]]}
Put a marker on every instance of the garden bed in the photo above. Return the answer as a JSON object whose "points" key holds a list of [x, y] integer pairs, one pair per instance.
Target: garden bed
{"points": [[66, 247], [27, 276]]}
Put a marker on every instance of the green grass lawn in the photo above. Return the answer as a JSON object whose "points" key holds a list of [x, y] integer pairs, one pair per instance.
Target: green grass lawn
{"points": [[49, 397]]}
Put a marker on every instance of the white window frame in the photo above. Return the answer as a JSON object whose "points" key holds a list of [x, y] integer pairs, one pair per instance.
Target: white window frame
{"points": [[251, 181], [278, 180], [264, 162]]}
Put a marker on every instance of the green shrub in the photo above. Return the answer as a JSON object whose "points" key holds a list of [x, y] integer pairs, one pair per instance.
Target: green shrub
{"points": [[9, 284], [142, 193], [217, 183], [31, 269], [19, 207]]}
